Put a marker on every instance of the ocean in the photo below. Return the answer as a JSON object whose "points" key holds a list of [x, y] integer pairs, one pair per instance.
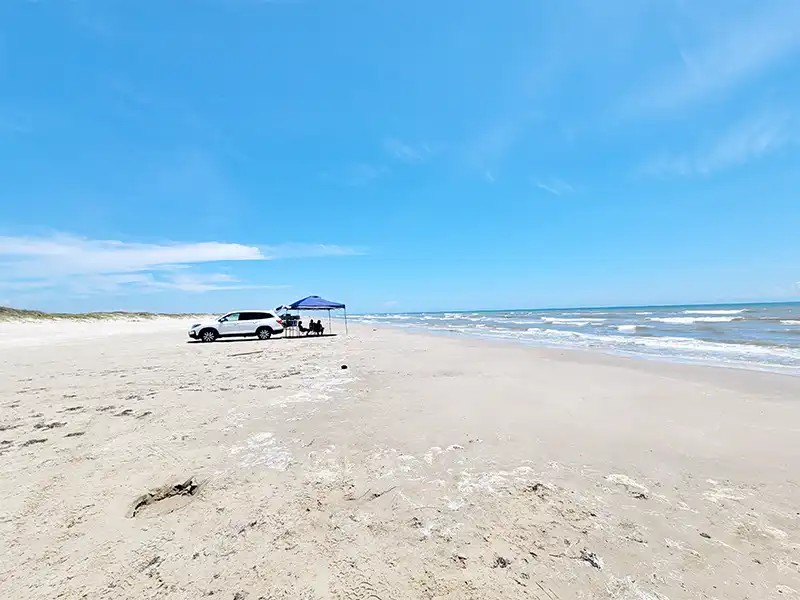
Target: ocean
{"points": [[751, 336]]}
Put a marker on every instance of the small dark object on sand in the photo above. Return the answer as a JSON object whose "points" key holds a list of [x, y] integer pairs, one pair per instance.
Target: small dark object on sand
{"points": [[190, 487], [53, 425], [34, 441], [153, 562], [501, 563], [591, 558], [705, 535], [344, 367], [75, 434]]}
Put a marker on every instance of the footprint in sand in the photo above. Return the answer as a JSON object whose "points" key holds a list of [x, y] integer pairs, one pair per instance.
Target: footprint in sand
{"points": [[33, 441]]}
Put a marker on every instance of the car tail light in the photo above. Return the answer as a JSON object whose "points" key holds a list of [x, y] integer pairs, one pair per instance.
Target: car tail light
{"points": [[280, 321]]}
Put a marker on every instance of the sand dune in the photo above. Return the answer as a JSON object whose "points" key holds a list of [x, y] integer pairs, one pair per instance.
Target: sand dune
{"points": [[137, 465]]}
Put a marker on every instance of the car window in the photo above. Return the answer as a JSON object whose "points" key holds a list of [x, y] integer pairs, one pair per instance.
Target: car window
{"points": [[259, 316], [232, 317], [248, 316]]}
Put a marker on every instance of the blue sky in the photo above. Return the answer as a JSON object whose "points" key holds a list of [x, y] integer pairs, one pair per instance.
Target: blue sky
{"points": [[398, 154]]}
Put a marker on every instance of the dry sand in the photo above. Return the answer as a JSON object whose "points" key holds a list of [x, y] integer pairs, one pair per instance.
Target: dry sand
{"points": [[432, 467]]}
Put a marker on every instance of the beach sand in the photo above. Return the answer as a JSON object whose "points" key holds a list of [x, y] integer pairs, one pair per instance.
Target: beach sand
{"points": [[432, 467]]}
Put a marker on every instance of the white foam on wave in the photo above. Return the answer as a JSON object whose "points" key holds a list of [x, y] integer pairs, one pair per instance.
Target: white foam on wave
{"points": [[456, 317], [691, 320], [575, 322], [752, 356], [627, 338], [714, 312]]}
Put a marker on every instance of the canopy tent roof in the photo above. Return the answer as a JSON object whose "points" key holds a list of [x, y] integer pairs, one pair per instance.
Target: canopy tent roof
{"points": [[315, 303]]}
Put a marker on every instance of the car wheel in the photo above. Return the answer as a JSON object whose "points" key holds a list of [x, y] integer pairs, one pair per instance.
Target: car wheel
{"points": [[264, 333], [208, 335]]}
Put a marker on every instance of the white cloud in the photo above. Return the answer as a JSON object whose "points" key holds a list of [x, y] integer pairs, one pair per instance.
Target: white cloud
{"points": [[356, 174], [408, 153], [751, 139], [109, 266], [307, 251], [556, 187], [67, 255], [726, 55], [487, 151], [402, 151], [116, 284]]}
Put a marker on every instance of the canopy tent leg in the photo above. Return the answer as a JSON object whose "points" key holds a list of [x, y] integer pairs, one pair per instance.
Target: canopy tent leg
{"points": [[345, 322]]}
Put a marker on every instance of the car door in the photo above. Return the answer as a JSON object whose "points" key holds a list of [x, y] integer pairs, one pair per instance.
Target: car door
{"points": [[230, 324], [263, 319], [248, 323]]}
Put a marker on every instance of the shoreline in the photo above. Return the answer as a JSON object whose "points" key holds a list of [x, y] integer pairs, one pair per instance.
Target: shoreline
{"points": [[608, 350], [735, 377], [432, 466]]}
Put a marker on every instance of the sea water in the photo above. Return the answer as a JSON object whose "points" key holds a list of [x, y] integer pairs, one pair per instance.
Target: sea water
{"points": [[754, 336]]}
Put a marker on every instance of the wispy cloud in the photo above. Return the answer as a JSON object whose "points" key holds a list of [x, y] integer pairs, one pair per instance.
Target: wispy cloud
{"points": [[356, 174], [409, 153], [749, 140], [726, 55], [486, 152], [126, 283], [108, 266], [308, 251], [68, 255], [555, 187]]}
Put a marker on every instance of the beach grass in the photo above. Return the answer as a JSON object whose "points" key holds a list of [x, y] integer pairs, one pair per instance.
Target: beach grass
{"points": [[16, 314]]}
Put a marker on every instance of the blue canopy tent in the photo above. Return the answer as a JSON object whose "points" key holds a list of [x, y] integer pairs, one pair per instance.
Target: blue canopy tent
{"points": [[317, 303]]}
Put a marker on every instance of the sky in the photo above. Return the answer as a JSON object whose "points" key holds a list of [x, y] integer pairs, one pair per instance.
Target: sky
{"points": [[398, 155]]}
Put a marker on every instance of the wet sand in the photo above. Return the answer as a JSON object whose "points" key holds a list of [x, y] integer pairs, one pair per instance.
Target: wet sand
{"points": [[432, 467]]}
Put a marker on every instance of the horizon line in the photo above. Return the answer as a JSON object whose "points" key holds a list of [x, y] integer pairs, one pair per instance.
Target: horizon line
{"points": [[612, 307]]}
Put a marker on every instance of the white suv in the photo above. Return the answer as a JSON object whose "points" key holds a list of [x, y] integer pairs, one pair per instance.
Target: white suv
{"points": [[259, 323]]}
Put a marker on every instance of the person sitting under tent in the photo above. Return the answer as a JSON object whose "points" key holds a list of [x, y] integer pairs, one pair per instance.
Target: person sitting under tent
{"points": [[303, 329], [318, 328], [315, 327]]}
